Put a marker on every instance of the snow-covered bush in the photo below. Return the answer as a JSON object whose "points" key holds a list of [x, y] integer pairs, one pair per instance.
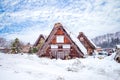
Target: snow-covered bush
{"points": [[76, 66], [60, 78]]}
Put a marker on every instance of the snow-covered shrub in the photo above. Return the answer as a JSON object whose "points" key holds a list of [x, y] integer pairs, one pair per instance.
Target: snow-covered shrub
{"points": [[76, 66], [101, 71], [73, 69], [60, 78]]}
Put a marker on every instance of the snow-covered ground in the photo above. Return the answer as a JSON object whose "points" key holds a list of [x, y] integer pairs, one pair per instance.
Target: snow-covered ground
{"points": [[30, 67]]}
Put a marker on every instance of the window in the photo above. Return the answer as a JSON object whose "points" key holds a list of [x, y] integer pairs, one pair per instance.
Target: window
{"points": [[66, 46], [54, 46], [60, 39]]}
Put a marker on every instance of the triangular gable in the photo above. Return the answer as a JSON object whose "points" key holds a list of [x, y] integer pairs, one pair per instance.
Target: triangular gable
{"points": [[88, 44], [39, 41], [58, 30]]}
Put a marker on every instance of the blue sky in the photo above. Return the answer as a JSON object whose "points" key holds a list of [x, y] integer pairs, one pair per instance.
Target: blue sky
{"points": [[26, 19]]}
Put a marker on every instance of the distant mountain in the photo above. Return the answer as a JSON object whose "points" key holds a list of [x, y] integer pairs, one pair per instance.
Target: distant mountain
{"points": [[107, 40]]}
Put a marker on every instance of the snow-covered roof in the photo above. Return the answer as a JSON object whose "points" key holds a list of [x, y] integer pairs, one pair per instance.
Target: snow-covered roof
{"points": [[2, 47], [78, 43], [40, 36], [118, 46], [91, 41], [75, 39]]}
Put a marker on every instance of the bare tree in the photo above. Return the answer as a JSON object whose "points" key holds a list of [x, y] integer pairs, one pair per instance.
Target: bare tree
{"points": [[2, 42]]}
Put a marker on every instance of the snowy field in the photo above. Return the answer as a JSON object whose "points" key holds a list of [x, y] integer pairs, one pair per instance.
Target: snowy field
{"points": [[30, 67]]}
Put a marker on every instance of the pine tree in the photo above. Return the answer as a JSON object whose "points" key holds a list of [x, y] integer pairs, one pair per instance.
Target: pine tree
{"points": [[16, 46]]}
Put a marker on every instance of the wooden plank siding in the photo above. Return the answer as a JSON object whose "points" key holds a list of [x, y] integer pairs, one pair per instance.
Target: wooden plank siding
{"points": [[86, 42], [39, 42], [62, 49]]}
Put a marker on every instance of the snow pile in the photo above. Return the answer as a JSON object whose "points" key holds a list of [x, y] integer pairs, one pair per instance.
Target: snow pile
{"points": [[76, 66], [30, 67]]}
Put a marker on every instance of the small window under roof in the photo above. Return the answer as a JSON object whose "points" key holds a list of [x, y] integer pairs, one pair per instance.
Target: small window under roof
{"points": [[60, 39]]}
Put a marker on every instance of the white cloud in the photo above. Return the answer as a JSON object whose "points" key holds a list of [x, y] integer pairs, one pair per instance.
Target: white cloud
{"points": [[94, 17], [29, 34]]}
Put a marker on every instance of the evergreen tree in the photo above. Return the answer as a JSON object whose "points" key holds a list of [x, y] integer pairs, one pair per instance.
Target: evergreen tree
{"points": [[32, 50], [16, 46]]}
